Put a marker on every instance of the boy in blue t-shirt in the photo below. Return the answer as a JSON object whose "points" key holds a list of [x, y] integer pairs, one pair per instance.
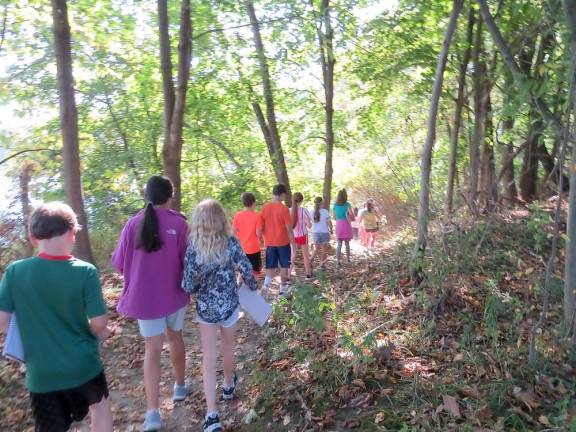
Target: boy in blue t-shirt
{"points": [[61, 317]]}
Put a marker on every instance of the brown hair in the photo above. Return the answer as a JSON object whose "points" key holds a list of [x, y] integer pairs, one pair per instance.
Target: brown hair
{"points": [[52, 219], [342, 197], [317, 206], [297, 199], [248, 199]]}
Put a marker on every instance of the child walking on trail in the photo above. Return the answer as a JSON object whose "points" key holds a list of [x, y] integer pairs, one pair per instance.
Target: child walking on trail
{"points": [[301, 222], [213, 257], [61, 317], [150, 255], [247, 227], [370, 222], [321, 230], [343, 215], [278, 238]]}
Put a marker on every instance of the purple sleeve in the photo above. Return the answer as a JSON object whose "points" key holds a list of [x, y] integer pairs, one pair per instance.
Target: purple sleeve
{"points": [[119, 254], [183, 241]]}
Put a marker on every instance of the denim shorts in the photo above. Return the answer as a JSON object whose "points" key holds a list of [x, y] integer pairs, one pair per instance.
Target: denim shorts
{"points": [[155, 327], [321, 237], [278, 255], [233, 319]]}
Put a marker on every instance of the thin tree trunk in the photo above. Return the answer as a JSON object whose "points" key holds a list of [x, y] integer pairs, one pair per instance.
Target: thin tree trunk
{"points": [[479, 133], [278, 161], [69, 126], [570, 264], [488, 168], [25, 177], [426, 163], [173, 152], [509, 192], [448, 204]]}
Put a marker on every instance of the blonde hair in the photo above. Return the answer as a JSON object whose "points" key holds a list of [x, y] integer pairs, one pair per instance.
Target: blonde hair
{"points": [[210, 232]]}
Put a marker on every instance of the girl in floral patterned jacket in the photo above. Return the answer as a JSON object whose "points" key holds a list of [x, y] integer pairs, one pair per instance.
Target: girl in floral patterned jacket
{"points": [[213, 258]]}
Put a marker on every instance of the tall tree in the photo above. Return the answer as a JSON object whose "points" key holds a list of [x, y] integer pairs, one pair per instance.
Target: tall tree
{"points": [[69, 126], [325, 34], [268, 123], [455, 132], [570, 264], [426, 160], [175, 101]]}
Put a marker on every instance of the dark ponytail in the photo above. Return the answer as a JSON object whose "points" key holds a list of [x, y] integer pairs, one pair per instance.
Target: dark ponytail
{"points": [[317, 206], [158, 191]]}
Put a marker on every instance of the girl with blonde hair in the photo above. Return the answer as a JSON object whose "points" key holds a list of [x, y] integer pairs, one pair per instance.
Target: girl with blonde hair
{"points": [[213, 258]]}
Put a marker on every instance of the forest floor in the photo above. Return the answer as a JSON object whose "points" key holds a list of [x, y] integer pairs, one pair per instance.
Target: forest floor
{"points": [[361, 349]]}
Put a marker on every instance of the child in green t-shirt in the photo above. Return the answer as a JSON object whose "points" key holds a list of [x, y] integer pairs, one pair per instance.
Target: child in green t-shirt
{"points": [[61, 316]]}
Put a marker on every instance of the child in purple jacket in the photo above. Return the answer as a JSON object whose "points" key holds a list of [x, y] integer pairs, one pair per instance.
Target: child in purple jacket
{"points": [[150, 255]]}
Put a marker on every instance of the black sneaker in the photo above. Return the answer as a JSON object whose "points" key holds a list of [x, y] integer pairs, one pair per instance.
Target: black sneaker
{"points": [[228, 392], [212, 424]]}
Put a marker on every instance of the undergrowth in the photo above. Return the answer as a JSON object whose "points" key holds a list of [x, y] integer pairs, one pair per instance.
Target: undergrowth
{"points": [[363, 349]]}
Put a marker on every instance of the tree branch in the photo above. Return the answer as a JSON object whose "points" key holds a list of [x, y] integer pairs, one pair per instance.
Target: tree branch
{"points": [[18, 153]]}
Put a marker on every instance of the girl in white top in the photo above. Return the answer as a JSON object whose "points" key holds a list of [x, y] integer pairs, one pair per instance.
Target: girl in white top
{"points": [[301, 222], [321, 230]]}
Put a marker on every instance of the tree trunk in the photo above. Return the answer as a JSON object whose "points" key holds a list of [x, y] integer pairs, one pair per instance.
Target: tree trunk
{"points": [[325, 44], [426, 163], [278, 161], [25, 176], [488, 182], [529, 174], [69, 126], [549, 165], [173, 151], [166, 67], [479, 131], [448, 204], [509, 192], [570, 264]]}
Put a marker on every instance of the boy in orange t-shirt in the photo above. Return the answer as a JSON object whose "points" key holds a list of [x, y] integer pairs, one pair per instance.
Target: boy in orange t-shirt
{"points": [[278, 237], [247, 226]]}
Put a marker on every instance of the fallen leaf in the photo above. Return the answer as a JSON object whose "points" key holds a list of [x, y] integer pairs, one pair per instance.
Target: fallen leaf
{"points": [[286, 420], [527, 397], [451, 405], [379, 417]]}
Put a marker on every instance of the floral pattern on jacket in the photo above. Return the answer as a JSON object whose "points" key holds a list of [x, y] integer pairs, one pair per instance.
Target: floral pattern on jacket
{"points": [[215, 284]]}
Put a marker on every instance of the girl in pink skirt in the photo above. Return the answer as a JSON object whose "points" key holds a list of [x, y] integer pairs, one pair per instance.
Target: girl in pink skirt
{"points": [[343, 215]]}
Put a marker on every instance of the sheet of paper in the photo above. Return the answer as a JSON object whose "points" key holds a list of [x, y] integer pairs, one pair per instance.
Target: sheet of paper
{"points": [[13, 343], [255, 305]]}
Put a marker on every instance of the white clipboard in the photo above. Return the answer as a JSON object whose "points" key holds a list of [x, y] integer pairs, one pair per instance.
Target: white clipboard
{"points": [[254, 304], [13, 348]]}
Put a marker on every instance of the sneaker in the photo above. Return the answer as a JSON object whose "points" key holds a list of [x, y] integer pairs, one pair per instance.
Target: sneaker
{"points": [[228, 392], [212, 424], [152, 421], [181, 391], [309, 278], [284, 290]]}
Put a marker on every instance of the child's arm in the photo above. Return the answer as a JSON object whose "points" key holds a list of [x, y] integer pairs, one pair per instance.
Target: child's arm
{"points": [[191, 271], [120, 252], [242, 264], [99, 327], [4, 321], [96, 309]]}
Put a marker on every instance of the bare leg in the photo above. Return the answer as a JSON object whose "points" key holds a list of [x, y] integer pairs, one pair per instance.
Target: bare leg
{"points": [[228, 346], [347, 249], [101, 416], [338, 251], [306, 259], [153, 350], [209, 334], [284, 275], [177, 354]]}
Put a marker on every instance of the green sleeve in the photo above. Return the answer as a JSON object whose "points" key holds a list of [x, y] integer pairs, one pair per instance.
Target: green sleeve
{"points": [[6, 301], [95, 305]]}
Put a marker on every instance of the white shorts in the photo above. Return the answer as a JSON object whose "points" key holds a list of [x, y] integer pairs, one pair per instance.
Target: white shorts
{"points": [[233, 319], [155, 327]]}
